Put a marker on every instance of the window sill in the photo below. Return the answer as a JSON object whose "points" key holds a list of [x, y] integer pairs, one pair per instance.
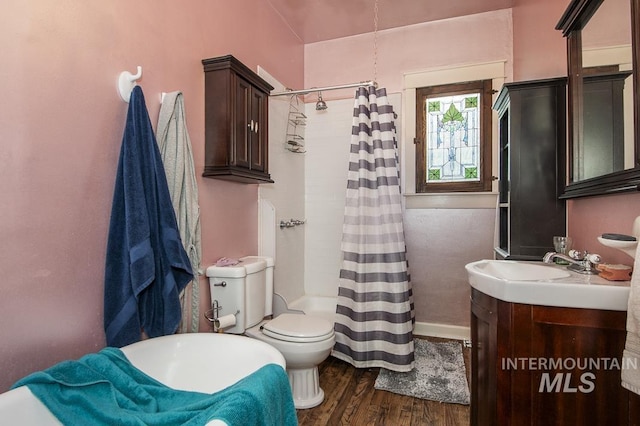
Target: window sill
{"points": [[452, 200]]}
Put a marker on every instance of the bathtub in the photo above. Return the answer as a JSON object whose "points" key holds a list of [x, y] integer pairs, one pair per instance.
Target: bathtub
{"points": [[319, 306], [192, 362]]}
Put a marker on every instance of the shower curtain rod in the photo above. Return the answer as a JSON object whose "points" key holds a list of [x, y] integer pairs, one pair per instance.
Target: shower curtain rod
{"points": [[322, 89]]}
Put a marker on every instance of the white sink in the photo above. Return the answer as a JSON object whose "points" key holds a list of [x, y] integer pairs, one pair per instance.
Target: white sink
{"points": [[521, 271], [537, 283]]}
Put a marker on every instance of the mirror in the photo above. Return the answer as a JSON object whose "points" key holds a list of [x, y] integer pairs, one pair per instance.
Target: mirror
{"points": [[607, 144], [602, 53]]}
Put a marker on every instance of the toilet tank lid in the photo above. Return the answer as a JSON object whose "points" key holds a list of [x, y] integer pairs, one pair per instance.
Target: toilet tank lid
{"points": [[247, 265]]}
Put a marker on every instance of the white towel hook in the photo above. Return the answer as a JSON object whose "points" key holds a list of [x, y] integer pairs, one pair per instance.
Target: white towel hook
{"points": [[126, 83]]}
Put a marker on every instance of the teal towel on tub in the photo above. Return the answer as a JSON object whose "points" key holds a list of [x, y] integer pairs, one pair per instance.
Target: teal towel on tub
{"points": [[106, 389]]}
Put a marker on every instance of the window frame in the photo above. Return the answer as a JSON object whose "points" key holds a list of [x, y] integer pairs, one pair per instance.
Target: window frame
{"points": [[485, 88]]}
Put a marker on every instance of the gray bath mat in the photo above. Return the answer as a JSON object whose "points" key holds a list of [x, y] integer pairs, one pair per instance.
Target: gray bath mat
{"points": [[439, 374]]}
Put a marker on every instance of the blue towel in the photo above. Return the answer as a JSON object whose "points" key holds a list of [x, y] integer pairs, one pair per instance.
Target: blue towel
{"points": [[106, 389], [146, 264]]}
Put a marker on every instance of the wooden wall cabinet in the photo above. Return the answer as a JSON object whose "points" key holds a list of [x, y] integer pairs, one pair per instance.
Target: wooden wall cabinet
{"points": [[532, 138], [512, 385], [236, 122]]}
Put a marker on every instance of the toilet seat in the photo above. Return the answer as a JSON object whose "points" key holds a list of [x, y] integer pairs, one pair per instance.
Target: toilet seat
{"points": [[298, 328]]}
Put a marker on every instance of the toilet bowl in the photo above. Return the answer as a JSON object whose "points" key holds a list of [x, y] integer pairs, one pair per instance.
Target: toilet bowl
{"points": [[304, 340]]}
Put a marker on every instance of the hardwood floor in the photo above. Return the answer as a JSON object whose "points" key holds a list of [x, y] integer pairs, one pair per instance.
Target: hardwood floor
{"points": [[350, 399]]}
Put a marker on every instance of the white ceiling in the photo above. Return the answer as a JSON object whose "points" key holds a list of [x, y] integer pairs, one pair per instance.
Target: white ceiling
{"points": [[319, 20]]}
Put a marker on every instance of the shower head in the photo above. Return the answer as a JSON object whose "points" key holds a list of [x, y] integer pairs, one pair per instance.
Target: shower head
{"points": [[320, 105]]}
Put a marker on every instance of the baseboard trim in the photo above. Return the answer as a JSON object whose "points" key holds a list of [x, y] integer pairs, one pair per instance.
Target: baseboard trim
{"points": [[445, 331]]}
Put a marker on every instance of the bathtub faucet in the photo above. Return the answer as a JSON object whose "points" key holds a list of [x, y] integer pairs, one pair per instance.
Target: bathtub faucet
{"points": [[581, 262], [291, 223]]}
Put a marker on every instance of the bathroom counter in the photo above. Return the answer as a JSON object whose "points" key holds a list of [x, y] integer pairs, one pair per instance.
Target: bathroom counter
{"points": [[543, 284]]}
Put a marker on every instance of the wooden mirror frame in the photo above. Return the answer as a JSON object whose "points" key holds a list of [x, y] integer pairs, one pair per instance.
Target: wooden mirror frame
{"points": [[572, 22]]}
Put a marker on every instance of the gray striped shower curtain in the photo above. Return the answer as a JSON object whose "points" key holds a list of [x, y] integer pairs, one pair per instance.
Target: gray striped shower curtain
{"points": [[374, 314]]}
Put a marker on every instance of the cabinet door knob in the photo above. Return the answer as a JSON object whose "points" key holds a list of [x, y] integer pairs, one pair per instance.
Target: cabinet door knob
{"points": [[250, 125], [256, 129]]}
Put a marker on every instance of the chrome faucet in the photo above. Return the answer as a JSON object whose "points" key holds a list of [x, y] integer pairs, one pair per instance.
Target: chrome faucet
{"points": [[291, 223], [581, 262]]}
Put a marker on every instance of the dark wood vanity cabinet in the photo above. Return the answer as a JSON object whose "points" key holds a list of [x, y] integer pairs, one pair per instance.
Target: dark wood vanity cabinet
{"points": [[521, 365], [236, 122], [532, 138]]}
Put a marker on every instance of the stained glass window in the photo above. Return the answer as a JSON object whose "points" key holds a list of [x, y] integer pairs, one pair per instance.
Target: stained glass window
{"points": [[453, 138]]}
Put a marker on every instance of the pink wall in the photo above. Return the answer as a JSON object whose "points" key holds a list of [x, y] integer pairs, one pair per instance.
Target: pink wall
{"points": [[467, 40], [539, 51], [591, 217], [62, 123]]}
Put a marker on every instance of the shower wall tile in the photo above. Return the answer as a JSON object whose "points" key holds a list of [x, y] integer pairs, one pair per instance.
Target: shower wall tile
{"points": [[287, 196], [328, 139], [328, 136]]}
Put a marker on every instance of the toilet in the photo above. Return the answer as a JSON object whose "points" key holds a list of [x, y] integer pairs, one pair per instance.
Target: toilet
{"points": [[245, 290]]}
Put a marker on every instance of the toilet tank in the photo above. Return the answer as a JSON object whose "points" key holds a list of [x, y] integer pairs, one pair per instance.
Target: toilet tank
{"points": [[240, 290], [268, 301]]}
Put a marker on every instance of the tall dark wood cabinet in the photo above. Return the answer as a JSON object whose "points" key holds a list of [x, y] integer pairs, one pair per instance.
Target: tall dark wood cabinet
{"points": [[532, 133], [236, 122]]}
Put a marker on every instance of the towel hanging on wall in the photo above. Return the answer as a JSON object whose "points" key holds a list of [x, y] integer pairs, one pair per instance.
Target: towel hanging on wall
{"points": [[146, 264], [631, 353], [177, 157]]}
